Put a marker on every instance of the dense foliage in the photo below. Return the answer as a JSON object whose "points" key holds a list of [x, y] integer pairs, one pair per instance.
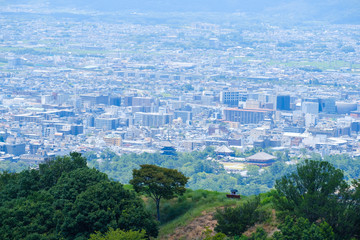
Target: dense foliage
{"points": [[302, 229], [203, 173], [211, 175], [64, 199], [317, 191], [118, 234], [10, 166], [234, 221]]}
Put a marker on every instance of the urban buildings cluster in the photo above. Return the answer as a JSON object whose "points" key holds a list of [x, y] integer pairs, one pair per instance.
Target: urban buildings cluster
{"points": [[69, 85]]}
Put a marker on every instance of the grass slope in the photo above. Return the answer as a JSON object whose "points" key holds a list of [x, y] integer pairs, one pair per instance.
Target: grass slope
{"points": [[180, 216], [181, 211], [194, 209]]}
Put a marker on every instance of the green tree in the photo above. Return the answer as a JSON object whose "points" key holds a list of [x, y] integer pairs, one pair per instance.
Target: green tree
{"points": [[235, 221], [51, 171], [317, 191], [119, 234], [354, 203], [71, 184], [252, 170], [28, 218], [64, 199], [158, 183], [104, 205], [209, 235], [302, 229], [260, 234]]}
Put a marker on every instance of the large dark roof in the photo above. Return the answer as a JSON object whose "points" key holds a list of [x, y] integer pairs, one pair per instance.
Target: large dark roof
{"points": [[261, 156]]}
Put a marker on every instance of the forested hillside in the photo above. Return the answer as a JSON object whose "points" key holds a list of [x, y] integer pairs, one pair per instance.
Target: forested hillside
{"points": [[65, 199]]}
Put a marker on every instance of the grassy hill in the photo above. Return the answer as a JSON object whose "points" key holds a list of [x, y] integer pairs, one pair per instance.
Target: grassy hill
{"points": [[181, 212], [191, 215], [65, 199]]}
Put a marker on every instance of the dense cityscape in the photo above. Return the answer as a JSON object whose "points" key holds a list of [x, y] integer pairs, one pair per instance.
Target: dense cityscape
{"points": [[132, 87]]}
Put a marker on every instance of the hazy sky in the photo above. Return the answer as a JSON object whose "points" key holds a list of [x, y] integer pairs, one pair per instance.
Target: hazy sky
{"points": [[343, 11]]}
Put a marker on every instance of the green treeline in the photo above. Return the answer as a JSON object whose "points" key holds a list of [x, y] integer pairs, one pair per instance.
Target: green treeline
{"points": [[64, 199], [210, 175], [202, 172]]}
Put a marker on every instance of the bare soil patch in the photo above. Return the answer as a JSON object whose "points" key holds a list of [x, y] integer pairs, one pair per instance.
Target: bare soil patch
{"points": [[195, 229]]}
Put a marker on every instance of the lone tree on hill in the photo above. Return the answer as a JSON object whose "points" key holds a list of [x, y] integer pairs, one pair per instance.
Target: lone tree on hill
{"points": [[158, 183]]}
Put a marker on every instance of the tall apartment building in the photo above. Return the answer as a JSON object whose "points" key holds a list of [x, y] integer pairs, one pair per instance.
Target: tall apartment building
{"points": [[184, 115], [106, 123], [232, 98], [327, 105], [115, 101], [283, 102], [93, 99], [152, 119], [246, 116], [15, 149], [310, 107], [142, 101]]}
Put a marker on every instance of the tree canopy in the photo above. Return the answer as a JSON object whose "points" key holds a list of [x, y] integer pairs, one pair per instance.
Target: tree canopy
{"points": [[234, 221], [302, 229], [158, 183], [64, 199], [317, 191], [202, 172], [118, 234]]}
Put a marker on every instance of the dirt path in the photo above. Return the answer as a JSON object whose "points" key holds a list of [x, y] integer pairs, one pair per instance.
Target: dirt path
{"points": [[195, 228]]}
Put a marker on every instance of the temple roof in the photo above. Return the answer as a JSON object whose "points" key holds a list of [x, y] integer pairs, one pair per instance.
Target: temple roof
{"points": [[223, 149], [261, 156]]}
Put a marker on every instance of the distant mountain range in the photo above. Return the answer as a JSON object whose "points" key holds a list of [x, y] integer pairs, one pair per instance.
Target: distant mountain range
{"points": [[337, 11]]}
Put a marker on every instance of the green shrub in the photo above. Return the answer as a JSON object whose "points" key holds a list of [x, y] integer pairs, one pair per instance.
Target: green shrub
{"points": [[235, 221]]}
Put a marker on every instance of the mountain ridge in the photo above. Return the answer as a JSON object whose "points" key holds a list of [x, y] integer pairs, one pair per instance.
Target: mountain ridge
{"points": [[334, 11]]}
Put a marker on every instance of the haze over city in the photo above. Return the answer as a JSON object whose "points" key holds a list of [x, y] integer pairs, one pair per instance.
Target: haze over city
{"points": [[149, 76]]}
